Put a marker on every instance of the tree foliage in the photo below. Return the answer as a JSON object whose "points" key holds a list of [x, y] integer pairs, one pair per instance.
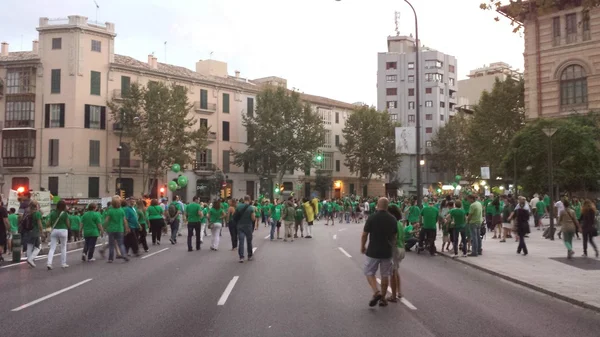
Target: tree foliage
{"points": [[451, 151], [370, 147], [284, 134], [155, 122], [323, 182]]}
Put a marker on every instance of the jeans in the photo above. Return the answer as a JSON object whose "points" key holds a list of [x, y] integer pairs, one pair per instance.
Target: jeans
{"points": [[428, 234], [55, 235], [193, 227], [522, 245], [408, 244], [476, 248], [215, 235], [463, 234], [174, 229], [587, 237], [90, 246], [347, 217], [233, 232], [117, 238], [273, 223], [156, 225], [244, 232], [131, 241]]}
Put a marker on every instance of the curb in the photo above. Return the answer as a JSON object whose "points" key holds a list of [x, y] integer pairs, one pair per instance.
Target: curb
{"points": [[524, 284]]}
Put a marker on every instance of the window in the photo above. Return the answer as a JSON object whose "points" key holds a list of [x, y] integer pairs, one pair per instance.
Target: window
{"points": [[390, 65], [442, 117], [327, 162], [585, 27], [327, 139], [55, 116], [556, 31], [392, 104], [429, 117], [18, 148], [337, 140], [434, 77], [53, 152], [95, 117], [93, 187], [451, 81], [337, 166], [55, 82], [337, 117], [393, 117], [225, 103], [94, 153], [250, 106], [428, 143], [20, 81], [432, 64], [20, 114], [573, 86], [203, 99], [411, 92], [53, 185], [429, 104], [428, 90], [95, 83], [411, 118], [226, 161], [225, 131], [441, 91], [442, 104], [428, 130], [411, 105], [325, 115], [125, 85], [411, 78], [97, 46], [352, 189], [203, 122], [411, 65], [451, 69], [57, 43], [204, 157], [391, 91], [571, 27], [391, 78]]}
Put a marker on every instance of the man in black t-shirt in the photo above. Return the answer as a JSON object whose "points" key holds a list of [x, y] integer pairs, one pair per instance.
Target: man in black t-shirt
{"points": [[4, 226], [380, 229]]}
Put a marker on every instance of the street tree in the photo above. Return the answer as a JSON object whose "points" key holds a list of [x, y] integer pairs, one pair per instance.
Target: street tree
{"points": [[284, 133], [369, 145], [155, 122], [496, 119], [323, 182], [450, 147]]}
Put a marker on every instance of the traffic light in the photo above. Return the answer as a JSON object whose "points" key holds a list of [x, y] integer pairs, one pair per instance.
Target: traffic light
{"points": [[162, 191], [319, 157], [222, 194], [122, 194], [277, 189], [228, 192], [20, 189], [281, 187]]}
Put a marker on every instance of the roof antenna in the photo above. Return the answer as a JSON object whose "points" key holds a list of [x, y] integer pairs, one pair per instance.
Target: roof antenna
{"points": [[97, 8], [396, 18]]}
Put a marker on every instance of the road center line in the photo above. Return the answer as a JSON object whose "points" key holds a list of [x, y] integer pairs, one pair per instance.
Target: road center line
{"points": [[51, 295], [334, 236], [402, 299], [254, 249], [341, 230], [162, 250], [344, 252], [228, 290]]}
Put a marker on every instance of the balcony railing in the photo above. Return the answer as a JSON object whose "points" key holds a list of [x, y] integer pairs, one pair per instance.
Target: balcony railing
{"points": [[202, 166], [19, 124], [207, 108], [18, 162], [127, 163], [116, 127], [212, 136]]}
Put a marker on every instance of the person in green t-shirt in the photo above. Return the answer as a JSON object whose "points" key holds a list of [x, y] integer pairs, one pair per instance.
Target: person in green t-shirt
{"points": [[75, 226], [91, 224], [541, 211], [275, 219], [430, 216], [257, 213], [155, 214], [143, 222], [115, 225], [31, 238], [299, 220], [474, 220], [193, 212], [414, 212], [216, 216], [457, 217], [398, 253], [13, 221], [59, 222]]}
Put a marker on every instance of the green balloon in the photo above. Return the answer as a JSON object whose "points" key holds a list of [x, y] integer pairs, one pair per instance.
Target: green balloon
{"points": [[173, 186], [182, 181], [458, 178], [454, 185], [176, 168]]}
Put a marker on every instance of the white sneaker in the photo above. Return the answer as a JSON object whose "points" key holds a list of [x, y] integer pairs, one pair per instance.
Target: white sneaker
{"points": [[454, 256], [65, 266], [91, 260], [30, 262]]}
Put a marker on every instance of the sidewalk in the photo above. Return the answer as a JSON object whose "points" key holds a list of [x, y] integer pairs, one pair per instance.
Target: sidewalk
{"points": [[545, 269]]}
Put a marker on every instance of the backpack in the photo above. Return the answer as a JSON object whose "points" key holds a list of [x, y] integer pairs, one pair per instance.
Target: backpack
{"points": [[172, 211], [26, 223]]}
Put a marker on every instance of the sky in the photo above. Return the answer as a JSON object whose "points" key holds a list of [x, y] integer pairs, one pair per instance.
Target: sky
{"points": [[322, 47]]}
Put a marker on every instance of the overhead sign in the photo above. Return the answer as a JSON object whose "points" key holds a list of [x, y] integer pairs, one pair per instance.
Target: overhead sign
{"points": [[406, 142]]}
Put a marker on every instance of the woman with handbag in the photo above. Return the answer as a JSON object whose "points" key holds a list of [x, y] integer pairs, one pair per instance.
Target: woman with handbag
{"points": [[568, 222], [59, 221], [588, 226]]}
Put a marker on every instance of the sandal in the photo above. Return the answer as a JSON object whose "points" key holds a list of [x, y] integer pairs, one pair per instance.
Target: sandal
{"points": [[383, 303], [392, 299], [375, 299]]}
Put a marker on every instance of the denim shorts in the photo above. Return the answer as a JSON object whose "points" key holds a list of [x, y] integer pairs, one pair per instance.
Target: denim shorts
{"points": [[384, 266]]}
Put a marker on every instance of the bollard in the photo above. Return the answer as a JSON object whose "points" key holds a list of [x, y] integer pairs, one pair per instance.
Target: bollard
{"points": [[16, 248]]}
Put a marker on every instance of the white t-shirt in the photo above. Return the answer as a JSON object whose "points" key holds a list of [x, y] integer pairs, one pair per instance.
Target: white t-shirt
{"points": [[533, 203], [366, 207], [559, 207]]}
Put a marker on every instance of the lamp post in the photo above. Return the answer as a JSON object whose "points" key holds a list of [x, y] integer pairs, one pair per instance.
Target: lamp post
{"points": [[119, 148], [550, 132]]}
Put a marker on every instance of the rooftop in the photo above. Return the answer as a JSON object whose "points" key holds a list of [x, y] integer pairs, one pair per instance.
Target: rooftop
{"points": [[518, 10], [19, 56]]}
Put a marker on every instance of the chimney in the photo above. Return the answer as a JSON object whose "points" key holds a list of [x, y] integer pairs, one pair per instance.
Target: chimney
{"points": [[4, 49], [154, 63], [35, 48], [150, 57], [237, 74]]}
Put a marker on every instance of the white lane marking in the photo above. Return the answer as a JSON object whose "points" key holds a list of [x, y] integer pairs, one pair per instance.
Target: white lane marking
{"points": [[341, 230], [402, 299], [162, 250], [51, 295], [40, 257], [344, 252], [268, 236], [254, 249], [334, 236], [228, 290]]}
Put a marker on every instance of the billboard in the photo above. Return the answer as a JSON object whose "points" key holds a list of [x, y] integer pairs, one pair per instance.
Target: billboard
{"points": [[406, 142]]}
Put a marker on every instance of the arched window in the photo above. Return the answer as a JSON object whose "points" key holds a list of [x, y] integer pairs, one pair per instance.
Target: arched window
{"points": [[573, 86]]}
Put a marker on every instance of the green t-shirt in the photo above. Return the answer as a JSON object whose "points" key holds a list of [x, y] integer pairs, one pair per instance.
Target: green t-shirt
{"points": [[490, 209], [116, 217], [430, 217], [89, 222], [257, 210], [299, 213], [475, 212], [62, 220], [541, 208], [458, 217], [546, 200], [37, 216], [466, 205], [75, 220], [13, 220], [329, 207], [400, 234], [413, 214], [215, 215], [142, 216], [372, 207], [408, 232], [276, 212], [191, 211], [204, 212], [155, 212]]}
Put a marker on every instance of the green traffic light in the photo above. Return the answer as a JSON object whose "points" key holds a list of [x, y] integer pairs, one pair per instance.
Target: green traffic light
{"points": [[319, 158], [277, 190]]}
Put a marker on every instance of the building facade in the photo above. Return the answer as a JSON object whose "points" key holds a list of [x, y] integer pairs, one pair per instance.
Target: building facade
{"points": [[396, 93], [562, 61], [483, 79], [58, 134]]}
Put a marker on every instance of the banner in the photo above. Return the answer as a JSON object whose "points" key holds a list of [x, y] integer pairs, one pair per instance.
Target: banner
{"points": [[13, 200], [406, 141], [44, 201], [485, 172]]}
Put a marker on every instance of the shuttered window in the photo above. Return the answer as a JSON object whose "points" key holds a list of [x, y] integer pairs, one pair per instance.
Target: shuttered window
{"points": [[95, 83], [226, 103], [53, 152], [94, 153], [55, 82]]}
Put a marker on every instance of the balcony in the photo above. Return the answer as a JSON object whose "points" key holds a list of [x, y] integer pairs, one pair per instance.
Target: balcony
{"points": [[19, 124], [18, 162], [212, 136], [116, 127], [203, 168], [117, 94], [127, 165], [208, 108]]}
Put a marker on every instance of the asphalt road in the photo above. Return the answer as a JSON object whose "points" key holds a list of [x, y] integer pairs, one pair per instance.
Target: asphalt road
{"points": [[309, 287]]}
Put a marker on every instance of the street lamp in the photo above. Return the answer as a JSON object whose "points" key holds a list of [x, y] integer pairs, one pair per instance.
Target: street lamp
{"points": [[550, 132], [119, 148]]}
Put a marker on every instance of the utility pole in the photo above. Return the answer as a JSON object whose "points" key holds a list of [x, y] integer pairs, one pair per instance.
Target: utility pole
{"points": [[550, 132]]}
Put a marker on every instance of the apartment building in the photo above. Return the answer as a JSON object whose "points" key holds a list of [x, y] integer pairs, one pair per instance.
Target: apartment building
{"points": [[396, 93], [57, 132], [562, 59], [483, 79]]}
